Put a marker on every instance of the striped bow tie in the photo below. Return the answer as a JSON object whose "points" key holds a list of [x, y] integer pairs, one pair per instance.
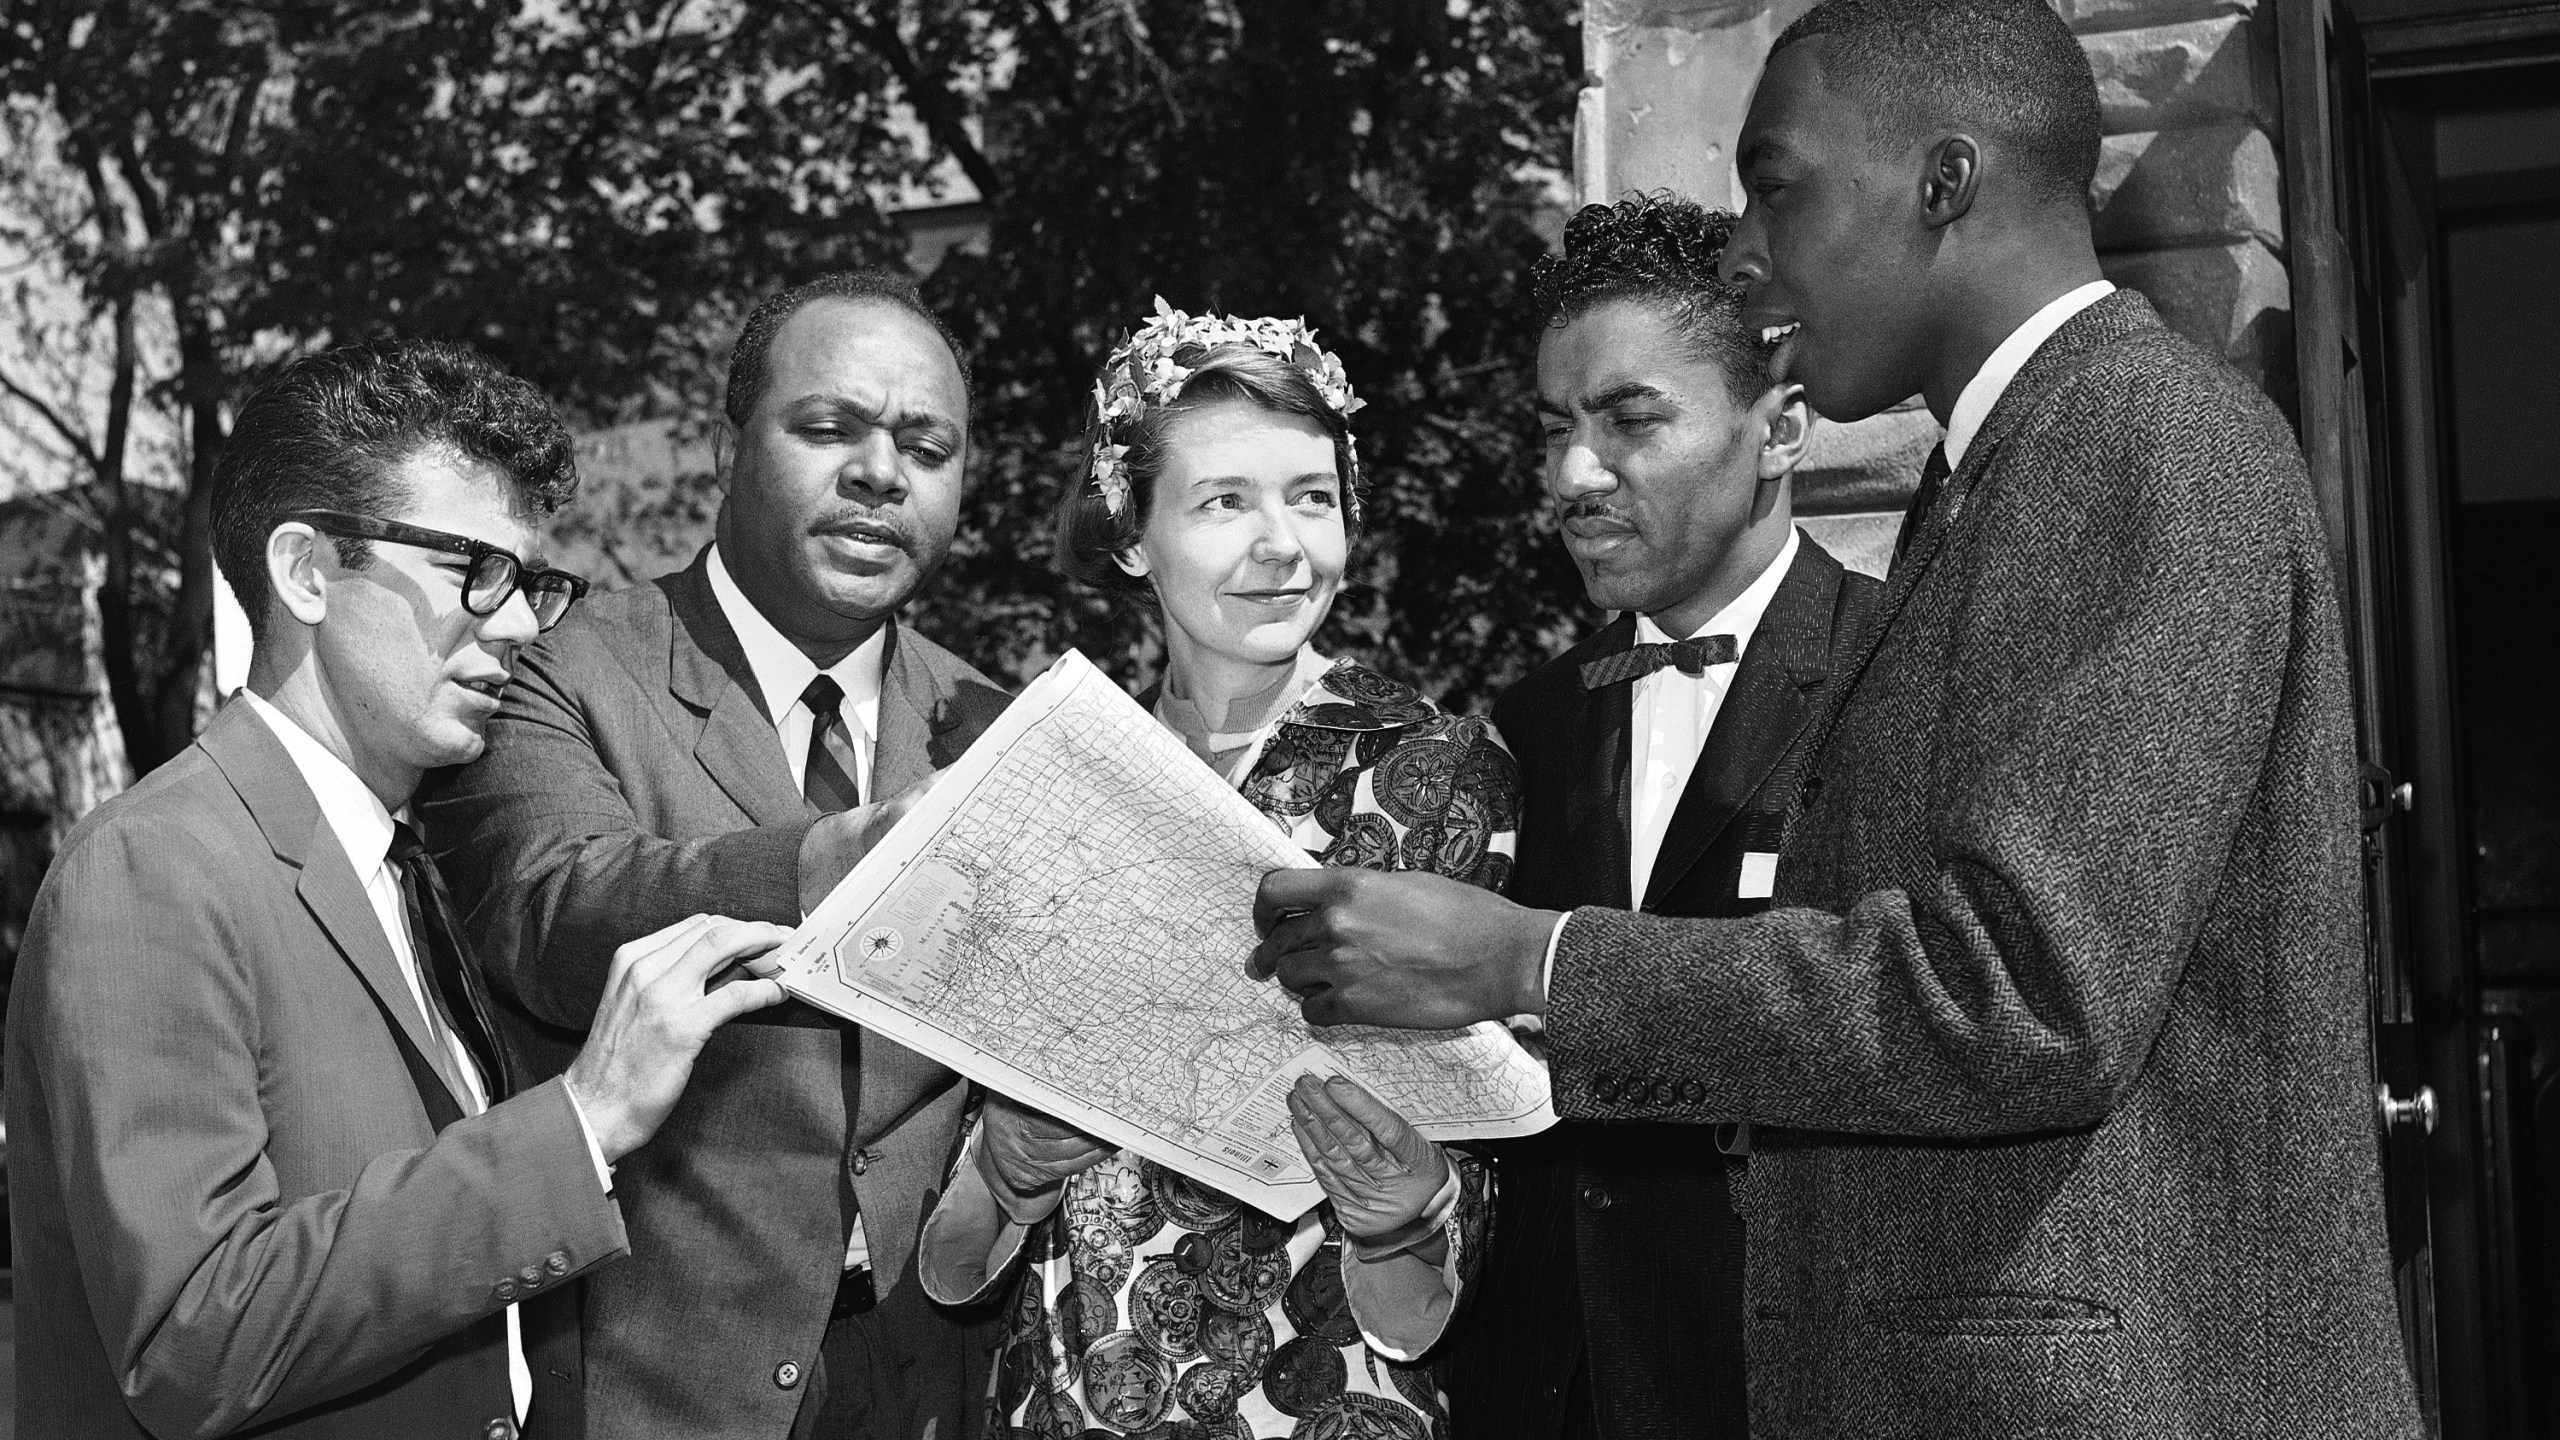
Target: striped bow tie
{"points": [[1692, 657]]}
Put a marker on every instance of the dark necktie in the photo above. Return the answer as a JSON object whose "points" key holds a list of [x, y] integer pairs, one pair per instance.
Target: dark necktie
{"points": [[1689, 657], [444, 962], [1932, 476], [829, 777]]}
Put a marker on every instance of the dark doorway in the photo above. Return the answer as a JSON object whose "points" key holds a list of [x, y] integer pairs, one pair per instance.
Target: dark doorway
{"points": [[2465, 211]]}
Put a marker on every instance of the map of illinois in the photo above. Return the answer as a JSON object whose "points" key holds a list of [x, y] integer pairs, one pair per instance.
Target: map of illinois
{"points": [[1066, 918]]}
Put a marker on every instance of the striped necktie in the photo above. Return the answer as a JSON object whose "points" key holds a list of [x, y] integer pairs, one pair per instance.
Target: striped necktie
{"points": [[829, 778]]}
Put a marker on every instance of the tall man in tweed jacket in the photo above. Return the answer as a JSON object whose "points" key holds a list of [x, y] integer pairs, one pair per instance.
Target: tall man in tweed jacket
{"points": [[2055, 1032], [1611, 1304], [728, 736]]}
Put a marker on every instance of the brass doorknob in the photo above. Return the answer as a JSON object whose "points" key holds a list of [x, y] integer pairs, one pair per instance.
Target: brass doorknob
{"points": [[2418, 1109]]}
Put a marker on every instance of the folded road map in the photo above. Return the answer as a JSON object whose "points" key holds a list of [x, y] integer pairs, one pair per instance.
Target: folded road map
{"points": [[1065, 918]]}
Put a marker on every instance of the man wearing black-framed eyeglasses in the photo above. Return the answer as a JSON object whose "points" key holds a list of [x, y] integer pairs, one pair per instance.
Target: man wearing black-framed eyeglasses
{"points": [[274, 1168], [493, 576]]}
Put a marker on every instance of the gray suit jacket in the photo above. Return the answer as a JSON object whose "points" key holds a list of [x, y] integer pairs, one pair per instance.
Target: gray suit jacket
{"points": [[231, 1206], [2056, 1033], [632, 778]]}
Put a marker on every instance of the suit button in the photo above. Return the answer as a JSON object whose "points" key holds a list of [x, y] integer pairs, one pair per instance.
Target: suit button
{"points": [[505, 1290], [1595, 1198], [1604, 1087], [499, 1429], [1811, 791], [530, 1277], [862, 1161], [557, 1263], [787, 1374]]}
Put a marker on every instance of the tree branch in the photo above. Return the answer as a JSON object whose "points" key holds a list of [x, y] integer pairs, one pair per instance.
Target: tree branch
{"points": [[940, 110], [53, 420]]}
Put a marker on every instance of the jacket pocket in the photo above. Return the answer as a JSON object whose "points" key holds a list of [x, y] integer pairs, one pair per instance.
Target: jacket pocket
{"points": [[1991, 1313]]}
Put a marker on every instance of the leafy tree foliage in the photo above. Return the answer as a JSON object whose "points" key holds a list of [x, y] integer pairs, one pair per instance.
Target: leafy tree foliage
{"points": [[1380, 168], [581, 188], [592, 190]]}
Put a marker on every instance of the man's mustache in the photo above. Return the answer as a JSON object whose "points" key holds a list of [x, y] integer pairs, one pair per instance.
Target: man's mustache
{"points": [[874, 526], [1591, 510]]}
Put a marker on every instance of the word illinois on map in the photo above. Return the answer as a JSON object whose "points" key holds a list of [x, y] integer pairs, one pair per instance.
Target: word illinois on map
{"points": [[1065, 918]]}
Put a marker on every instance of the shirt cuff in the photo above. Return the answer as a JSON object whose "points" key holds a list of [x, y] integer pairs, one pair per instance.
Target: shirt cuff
{"points": [[1546, 980], [595, 1152]]}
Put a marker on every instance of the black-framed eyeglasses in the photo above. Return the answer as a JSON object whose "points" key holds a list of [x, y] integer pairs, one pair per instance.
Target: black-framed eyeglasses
{"points": [[494, 575]]}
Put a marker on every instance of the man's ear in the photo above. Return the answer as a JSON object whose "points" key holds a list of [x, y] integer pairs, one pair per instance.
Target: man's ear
{"points": [[1132, 561], [724, 452], [1786, 430], [295, 573], [1951, 181]]}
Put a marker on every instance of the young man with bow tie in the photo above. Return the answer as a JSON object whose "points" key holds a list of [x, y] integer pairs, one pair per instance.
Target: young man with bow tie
{"points": [[1654, 761]]}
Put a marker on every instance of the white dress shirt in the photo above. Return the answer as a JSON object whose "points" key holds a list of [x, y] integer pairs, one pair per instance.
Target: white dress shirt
{"points": [[363, 827], [2001, 366], [782, 671], [1672, 713]]}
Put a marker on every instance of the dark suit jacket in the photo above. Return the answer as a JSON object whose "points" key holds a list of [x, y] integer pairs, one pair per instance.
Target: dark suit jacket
{"points": [[632, 778], [1619, 1242], [231, 1206], [2057, 1030]]}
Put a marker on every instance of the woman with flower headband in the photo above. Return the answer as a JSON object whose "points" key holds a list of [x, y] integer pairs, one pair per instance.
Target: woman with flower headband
{"points": [[1221, 480]]}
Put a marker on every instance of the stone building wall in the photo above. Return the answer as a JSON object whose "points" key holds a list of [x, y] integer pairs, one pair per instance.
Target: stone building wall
{"points": [[2188, 198]]}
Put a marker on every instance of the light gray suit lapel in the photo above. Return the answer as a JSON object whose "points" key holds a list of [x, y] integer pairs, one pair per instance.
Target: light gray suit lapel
{"points": [[912, 719], [707, 670], [271, 786]]}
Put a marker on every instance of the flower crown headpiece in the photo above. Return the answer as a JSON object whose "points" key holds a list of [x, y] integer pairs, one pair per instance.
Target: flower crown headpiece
{"points": [[1142, 372]]}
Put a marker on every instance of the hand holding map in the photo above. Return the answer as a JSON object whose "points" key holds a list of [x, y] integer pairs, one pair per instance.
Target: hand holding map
{"points": [[1066, 919]]}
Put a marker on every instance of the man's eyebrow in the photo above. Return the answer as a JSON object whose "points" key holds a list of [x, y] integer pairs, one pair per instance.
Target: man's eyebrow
{"points": [[1621, 394], [902, 420], [1763, 149], [1546, 406]]}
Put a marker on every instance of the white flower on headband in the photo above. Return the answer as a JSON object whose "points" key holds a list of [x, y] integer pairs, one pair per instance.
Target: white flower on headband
{"points": [[1143, 372]]}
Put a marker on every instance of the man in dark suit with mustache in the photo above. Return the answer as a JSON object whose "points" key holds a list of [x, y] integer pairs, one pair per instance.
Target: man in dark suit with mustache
{"points": [[729, 737], [2054, 1032], [1655, 759]]}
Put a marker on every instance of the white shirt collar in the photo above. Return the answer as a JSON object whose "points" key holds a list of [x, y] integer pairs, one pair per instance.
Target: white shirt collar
{"points": [[1741, 615], [782, 670], [355, 814], [1974, 402]]}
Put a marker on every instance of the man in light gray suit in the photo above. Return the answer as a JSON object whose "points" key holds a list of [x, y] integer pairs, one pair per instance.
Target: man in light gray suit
{"points": [[2054, 1032], [729, 735], [269, 1167]]}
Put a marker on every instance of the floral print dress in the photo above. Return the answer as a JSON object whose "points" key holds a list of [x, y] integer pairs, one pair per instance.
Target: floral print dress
{"points": [[1154, 1305]]}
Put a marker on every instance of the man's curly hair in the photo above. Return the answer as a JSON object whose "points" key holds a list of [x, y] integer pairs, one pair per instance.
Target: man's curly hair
{"points": [[1658, 250], [330, 432]]}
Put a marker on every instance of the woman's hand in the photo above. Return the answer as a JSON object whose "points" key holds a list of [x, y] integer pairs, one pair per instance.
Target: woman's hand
{"points": [[1379, 1172], [1025, 1156]]}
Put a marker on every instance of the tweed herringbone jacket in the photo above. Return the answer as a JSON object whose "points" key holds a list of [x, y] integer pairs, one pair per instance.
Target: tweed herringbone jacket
{"points": [[2056, 1033]]}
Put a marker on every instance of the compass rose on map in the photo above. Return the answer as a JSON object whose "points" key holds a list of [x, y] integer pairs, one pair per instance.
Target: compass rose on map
{"points": [[882, 943]]}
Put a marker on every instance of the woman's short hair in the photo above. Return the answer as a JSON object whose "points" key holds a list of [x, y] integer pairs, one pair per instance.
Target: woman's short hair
{"points": [[1089, 534]]}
